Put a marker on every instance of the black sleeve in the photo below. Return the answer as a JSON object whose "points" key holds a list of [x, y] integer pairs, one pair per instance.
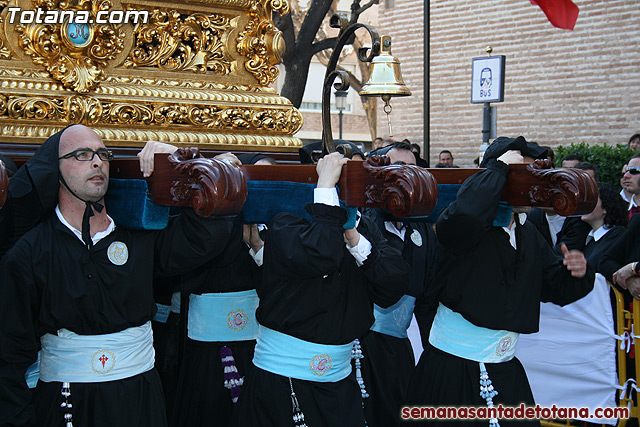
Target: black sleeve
{"points": [[574, 234], [466, 221], [384, 268], [307, 249], [558, 285], [19, 308], [189, 241], [625, 250]]}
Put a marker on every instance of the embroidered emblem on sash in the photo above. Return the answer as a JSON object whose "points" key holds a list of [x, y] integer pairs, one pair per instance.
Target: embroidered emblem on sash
{"points": [[103, 361], [401, 314], [237, 319], [118, 253], [416, 238], [504, 345], [320, 364]]}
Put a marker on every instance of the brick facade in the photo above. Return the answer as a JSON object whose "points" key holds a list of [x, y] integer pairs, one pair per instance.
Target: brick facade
{"points": [[560, 86]]}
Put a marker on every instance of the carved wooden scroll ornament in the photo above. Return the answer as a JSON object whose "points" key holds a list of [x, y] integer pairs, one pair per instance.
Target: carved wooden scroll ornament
{"points": [[209, 186]]}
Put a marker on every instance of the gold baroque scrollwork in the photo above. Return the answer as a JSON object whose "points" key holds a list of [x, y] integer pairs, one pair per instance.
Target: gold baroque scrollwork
{"points": [[90, 110], [83, 109], [261, 42], [4, 52], [78, 67], [195, 44], [35, 108]]}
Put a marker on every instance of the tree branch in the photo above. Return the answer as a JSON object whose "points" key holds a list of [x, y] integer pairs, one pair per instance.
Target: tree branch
{"points": [[366, 6], [321, 45]]}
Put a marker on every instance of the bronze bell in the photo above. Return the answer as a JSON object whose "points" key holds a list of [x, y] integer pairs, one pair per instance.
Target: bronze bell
{"points": [[385, 79]]}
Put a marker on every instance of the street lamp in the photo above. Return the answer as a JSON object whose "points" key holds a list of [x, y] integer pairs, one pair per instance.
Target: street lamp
{"points": [[341, 104], [385, 79]]}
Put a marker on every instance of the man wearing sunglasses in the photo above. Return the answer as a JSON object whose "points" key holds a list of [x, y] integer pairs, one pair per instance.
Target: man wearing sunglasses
{"points": [[78, 287], [631, 184]]}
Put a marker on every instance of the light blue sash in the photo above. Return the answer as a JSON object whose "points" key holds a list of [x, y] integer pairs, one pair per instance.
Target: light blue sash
{"points": [[33, 373], [396, 319], [229, 316], [69, 357], [452, 333], [162, 314], [291, 357]]}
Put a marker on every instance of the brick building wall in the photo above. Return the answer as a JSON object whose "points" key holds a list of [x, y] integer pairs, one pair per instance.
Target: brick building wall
{"points": [[560, 86]]}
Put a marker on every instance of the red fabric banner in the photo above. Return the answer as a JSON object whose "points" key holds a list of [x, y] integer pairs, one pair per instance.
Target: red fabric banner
{"points": [[561, 13]]}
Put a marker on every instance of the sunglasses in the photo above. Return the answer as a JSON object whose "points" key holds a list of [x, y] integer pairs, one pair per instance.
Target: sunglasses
{"points": [[633, 170], [87, 154]]}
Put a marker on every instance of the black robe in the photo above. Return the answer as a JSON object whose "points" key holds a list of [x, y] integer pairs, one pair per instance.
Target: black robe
{"points": [[492, 285], [312, 289], [625, 250], [389, 362], [573, 232], [201, 396], [49, 281]]}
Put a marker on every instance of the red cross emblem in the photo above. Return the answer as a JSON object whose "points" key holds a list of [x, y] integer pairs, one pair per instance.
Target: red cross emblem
{"points": [[103, 359]]}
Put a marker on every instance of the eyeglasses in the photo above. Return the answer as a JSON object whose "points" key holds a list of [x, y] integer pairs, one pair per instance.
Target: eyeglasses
{"points": [[87, 154], [633, 170]]}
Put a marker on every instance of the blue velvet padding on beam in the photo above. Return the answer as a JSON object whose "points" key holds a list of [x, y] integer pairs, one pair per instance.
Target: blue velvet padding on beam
{"points": [[265, 199], [128, 204]]}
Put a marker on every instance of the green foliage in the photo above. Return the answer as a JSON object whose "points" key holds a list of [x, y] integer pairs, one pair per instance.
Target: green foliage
{"points": [[607, 158]]}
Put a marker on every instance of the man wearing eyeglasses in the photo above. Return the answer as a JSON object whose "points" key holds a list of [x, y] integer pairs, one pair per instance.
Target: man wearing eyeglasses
{"points": [[78, 287], [631, 184]]}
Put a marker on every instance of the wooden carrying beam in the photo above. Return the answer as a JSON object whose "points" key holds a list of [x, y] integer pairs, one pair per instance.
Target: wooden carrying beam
{"points": [[214, 187]]}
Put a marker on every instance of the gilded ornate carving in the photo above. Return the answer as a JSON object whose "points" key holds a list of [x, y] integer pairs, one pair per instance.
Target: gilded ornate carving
{"points": [[211, 187], [408, 190], [261, 42], [83, 109], [172, 43], [568, 191], [78, 66], [90, 110], [35, 108], [4, 52]]}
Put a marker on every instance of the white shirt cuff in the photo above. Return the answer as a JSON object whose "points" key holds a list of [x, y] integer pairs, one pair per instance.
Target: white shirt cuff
{"points": [[258, 257], [360, 251], [326, 196]]}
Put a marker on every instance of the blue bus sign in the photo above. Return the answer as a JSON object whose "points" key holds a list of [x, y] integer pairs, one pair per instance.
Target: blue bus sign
{"points": [[487, 81]]}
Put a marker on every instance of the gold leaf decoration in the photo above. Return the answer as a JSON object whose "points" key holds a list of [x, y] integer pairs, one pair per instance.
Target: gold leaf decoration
{"points": [[83, 109], [35, 108], [92, 111], [195, 44], [260, 41], [78, 67], [4, 52]]}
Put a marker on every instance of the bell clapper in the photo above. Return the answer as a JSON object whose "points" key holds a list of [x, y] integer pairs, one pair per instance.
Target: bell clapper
{"points": [[387, 109]]}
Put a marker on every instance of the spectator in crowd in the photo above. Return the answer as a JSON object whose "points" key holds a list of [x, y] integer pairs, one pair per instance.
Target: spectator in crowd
{"points": [[590, 168], [446, 158], [571, 160], [416, 151], [631, 183], [626, 196], [607, 220], [377, 143], [634, 141]]}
